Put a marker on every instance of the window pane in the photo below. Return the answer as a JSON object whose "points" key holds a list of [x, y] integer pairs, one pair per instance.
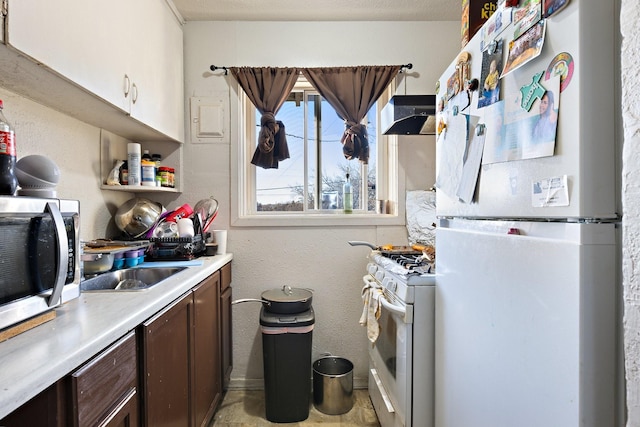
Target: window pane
{"points": [[314, 131], [369, 200], [333, 165], [312, 105], [279, 189]]}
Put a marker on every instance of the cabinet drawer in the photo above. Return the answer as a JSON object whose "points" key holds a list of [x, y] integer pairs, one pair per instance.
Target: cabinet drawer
{"points": [[102, 382], [225, 277]]}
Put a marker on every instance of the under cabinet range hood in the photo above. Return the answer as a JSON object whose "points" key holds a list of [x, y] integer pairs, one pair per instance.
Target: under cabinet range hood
{"points": [[409, 115]]}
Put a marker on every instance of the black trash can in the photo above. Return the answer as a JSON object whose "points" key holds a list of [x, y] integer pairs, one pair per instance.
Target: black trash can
{"points": [[286, 347]]}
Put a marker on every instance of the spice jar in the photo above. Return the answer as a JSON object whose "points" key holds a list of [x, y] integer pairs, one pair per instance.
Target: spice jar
{"points": [[165, 179], [172, 177]]}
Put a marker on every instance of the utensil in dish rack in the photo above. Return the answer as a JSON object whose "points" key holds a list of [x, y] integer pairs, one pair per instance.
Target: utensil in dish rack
{"points": [[207, 210]]}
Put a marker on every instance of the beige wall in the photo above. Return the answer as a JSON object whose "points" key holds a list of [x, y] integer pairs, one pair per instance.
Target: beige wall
{"points": [[318, 258], [75, 148], [264, 258]]}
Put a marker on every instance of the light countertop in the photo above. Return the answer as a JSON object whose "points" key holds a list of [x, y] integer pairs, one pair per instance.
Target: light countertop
{"points": [[34, 360]]}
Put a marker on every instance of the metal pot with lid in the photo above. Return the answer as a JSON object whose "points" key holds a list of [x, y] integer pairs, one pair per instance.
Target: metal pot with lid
{"points": [[285, 300]]}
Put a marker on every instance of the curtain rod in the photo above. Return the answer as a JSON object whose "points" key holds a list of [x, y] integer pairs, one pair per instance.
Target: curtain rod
{"points": [[226, 69]]}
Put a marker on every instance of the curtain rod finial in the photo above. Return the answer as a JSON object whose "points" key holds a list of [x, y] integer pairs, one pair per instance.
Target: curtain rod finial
{"points": [[214, 68]]}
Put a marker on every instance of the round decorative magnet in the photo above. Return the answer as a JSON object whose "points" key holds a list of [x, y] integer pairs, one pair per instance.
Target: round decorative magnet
{"points": [[562, 65]]}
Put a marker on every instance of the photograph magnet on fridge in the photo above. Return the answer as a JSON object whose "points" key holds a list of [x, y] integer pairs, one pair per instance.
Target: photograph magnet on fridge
{"points": [[525, 48], [550, 7]]}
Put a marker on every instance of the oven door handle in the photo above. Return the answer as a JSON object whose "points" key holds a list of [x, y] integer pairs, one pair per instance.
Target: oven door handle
{"points": [[404, 312], [395, 309]]}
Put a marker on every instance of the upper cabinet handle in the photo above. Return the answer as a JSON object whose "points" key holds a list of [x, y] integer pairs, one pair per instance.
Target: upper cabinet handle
{"points": [[134, 93], [127, 85]]}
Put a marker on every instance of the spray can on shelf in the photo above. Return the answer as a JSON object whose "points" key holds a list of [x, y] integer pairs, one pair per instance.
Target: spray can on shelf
{"points": [[8, 180], [133, 161]]}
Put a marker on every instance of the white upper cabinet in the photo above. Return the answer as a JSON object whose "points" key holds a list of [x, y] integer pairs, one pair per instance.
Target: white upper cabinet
{"points": [[127, 53], [157, 76]]}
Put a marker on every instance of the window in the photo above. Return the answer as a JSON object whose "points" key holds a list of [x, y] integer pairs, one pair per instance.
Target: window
{"points": [[309, 185]]}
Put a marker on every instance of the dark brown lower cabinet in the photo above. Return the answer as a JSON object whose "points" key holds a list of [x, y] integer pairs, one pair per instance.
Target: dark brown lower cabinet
{"points": [[170, 371], [207, 379], [226, 344], [166, 338], [181, 359], [103, 392], [44, 410]]}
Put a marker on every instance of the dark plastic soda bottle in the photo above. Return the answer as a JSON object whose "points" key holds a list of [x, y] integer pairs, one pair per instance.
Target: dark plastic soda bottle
{"points": [[8, 180]]}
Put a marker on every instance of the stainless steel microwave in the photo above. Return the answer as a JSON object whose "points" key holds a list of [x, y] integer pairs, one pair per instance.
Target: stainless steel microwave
{"points": [[39, 256]]}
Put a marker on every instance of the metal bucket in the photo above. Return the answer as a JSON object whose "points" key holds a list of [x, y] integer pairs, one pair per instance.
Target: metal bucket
{"points": [[333, 385]]}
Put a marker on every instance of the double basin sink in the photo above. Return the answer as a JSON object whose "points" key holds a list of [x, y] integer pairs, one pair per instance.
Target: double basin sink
{"points": [[130, 279]]}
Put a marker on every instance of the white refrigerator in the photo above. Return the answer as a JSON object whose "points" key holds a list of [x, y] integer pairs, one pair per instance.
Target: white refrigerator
{"points": [[528, 271]]}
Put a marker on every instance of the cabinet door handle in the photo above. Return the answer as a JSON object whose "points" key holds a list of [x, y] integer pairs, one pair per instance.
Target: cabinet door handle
{"points": [[134, 93], [127, 85], [132, 392]]}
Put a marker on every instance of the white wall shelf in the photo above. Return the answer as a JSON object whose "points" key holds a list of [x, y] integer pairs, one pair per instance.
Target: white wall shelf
{"points": [[138, 189], [114, 147]]}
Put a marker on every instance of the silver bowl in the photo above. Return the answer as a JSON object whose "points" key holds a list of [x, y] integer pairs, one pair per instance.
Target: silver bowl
{"points": [[136, 216], [97, 263]]}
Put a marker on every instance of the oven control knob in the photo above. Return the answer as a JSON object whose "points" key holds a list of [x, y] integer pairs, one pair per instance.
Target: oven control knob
{"points": [[372, 268], [390, 284], [379, 275]]}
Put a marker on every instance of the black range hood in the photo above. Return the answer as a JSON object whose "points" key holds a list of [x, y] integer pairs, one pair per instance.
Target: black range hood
{"points": [[409, 115]]}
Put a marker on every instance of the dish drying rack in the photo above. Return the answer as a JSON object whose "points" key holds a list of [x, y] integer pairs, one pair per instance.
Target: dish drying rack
{"points": [[178, 248]]}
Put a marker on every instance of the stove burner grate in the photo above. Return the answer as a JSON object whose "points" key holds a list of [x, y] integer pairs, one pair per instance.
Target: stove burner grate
{"points": [[413, 263]]}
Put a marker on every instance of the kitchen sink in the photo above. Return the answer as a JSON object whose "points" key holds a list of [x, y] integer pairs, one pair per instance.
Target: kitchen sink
{"points": [[130, 279]]}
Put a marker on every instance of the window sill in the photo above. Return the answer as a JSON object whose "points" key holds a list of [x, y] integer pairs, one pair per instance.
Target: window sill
{"points": [[318, 220]]}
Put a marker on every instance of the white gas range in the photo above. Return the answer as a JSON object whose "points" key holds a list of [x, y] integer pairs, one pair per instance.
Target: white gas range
{"points": [[401, 374]]}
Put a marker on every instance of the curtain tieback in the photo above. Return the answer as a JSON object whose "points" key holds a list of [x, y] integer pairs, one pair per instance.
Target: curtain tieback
{"points": [[353, 140], [268, 130]]}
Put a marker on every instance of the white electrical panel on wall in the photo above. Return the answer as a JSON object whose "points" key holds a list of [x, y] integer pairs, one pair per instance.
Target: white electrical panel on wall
{"points": [[209, 119]]}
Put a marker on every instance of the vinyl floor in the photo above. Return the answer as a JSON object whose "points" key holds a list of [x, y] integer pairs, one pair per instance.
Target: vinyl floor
{"points": [[246, 408]]}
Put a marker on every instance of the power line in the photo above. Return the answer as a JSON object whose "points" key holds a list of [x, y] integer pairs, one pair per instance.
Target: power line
{"points": [[290, 135]]}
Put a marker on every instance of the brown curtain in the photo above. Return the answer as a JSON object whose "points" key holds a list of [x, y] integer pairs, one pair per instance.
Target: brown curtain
{"points": [[352, 91], [268, 88]]}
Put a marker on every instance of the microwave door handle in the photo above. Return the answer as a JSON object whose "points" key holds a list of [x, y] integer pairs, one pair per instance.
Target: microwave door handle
{"points": [[63, 255]]}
